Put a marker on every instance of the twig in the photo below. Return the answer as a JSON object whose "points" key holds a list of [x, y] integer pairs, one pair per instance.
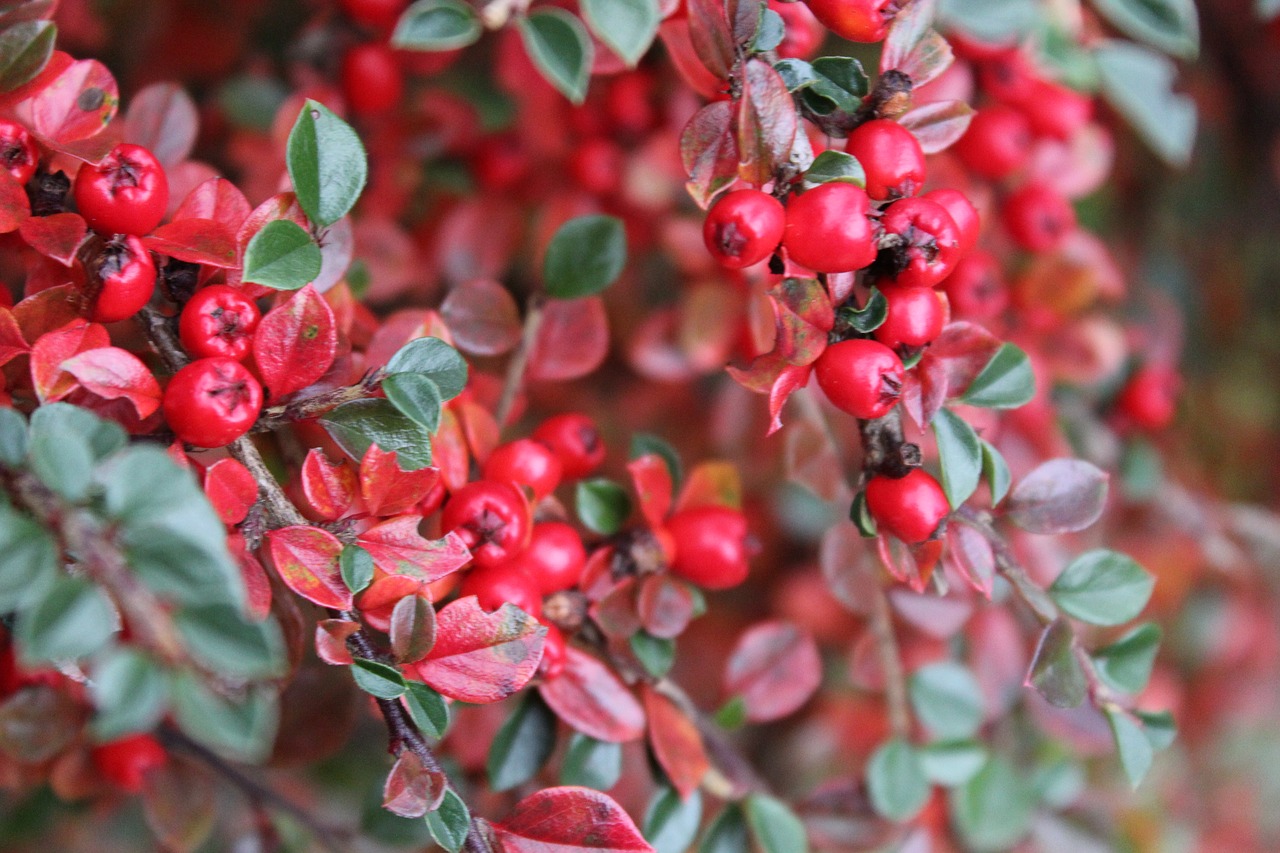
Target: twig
{"points": [[280, 511], [274, 417], [159, 329], [520, 360], [895, 679]]}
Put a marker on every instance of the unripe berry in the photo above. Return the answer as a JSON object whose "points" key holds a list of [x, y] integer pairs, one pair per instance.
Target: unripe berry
{"points": [[861, 377], [1038, 218], [525, 462], [910, 507], [574, 439], [491, 517], [827, 229], [743, 228], [212, 401], [997, 143], [891, 157], [916, 316], [710, 546], [122, 278], [126, 193], [930, 245], [855, 20]]}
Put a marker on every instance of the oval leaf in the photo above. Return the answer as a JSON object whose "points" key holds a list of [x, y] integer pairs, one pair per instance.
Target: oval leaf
{"points": [[1060, 496], [568, 820], [775, 668], [482, 657], [588, 696], [327, 165], [585, 256]]}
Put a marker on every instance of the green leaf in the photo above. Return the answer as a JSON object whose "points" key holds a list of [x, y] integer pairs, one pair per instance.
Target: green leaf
{"points": [[282, 256], [378, 679], [241, 728], [130, 692], [1007, 381], [960, 454], [775, 826], [30, 563], [591, 763], [1159, 727], [327, 164], [586, 255], [360, 423], [732, 714], [1141, 470], [1055, 671], [559, 46], [727, 833], [450, 822], [427, 708], [896, 781], [870, 316], [522, 745], [773, 29], [860, 515], [1139, 83], [796, 74], [996, 470], [644, 443], [671, 824], [626, 26], [993, 21], [103, 437], [25, 48], [1136, 751], [436, 360], [417, 398], [838, 83], [603, 505], [947, 699], [1103, 588], [1126, 663], [952, 762], [656, 654], [13, 437], [1170, 25], [71, 620], [992, 811], [144, 481], [1059, 781], [178, 569], [437, 25], [218, 636], [356, 566], [833, 166], [61, 457]]}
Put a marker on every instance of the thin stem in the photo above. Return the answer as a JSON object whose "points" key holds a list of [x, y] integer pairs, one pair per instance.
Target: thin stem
{"points": [[519, 360], [305, 409], [164, 340], [895, 679]]}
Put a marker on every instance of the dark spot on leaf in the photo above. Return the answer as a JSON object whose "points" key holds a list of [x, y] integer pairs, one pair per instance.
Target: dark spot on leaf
{"points": [[91, 99]]}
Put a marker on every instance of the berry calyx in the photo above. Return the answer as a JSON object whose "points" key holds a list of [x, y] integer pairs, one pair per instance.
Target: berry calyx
{"points": [[827, 229], [930, 242], [891, 157], [491, 517], [127, 761], [861, 377], [219, 321], [574, 439], [121, 280], [554, 557], [525, 462], [743, 228], [18, 153], [372, 82], [1149, 400], [1038, 218], [494, 586], [710, 545], [212, 401], [916, 316], [126, 193], [997, 143], [910, 507], [856, 20]]}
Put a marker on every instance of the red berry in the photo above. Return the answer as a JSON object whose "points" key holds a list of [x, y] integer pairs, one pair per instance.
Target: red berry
{"points": [[891, 156], [219, 321], [628, 103], [491, 517], [855, 20], [743, 228], [916, 316], [710, 543], [861, 377], [525, 462], [931, 241], [1056, 111], [500, 162], [553, 653], [963, 214], [997, 143], [804, 32], [1009, 76], [212, 401], [121, 280], [596, 165], [127, 761], [18, 153], [1038, 218], [574, 439], [975, 288], [380, 14], [555, 556], [1149, 400], [910, 507], [371, 79], [127, 193], [494, 586], [828, 230]]}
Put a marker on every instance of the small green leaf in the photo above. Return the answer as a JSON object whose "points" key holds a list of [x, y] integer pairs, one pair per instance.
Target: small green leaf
{"points": [[522, 745], [860, 515], [378, 679], [796, 74], [960, 452], [838, 84], [103, 437], [61, 457], [896, 781], [1055, 671], [70, 621], [586, 255], [327, 165], [773, 29], [360, 423], [993, 810], [13, 437], [644, 443], [670, 823], [241, 728], [356, 566], [1103, 588], [626, 26], [282, 256], [845, 72], [450, 822], [130, 691], [727, 833], [427, 708], [437, 25], [603, 505], [732, 714], [775, 826], [996, 470], [591, 763], [1006, 382], [1126, 663], [1170, 25], [417, 398], [1136, 751], [30, 563], [833, 166], [952, 762], [219, 637], [559, 46], [870, 316], [25, 49], [1139, 83], [436, 360], [1159, 727], [947, 699], [656, 654]]}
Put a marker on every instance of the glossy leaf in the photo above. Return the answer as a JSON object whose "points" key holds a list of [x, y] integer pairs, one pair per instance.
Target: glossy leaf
{"points": [[411, 790], [960, 453], [603, 505], [386, 488], [329, 489], [1103, 588], [483, 317], [397, 548], [569, 820], [1055, 671], [971, 553], [282, 256], [937, 125], [1059, 496], [1007, 381], [775, 667], [767, 123], [116, 374], [437, 25], [76, 104], [585, 256], [434, 359], [711, 36], [628, 27], [198, 241], [1170, 25], [15, 208], [1126, 663], [428, 709], [709, 151], [163, 118], [358, 424], [655, 654], [591, 763], [413, 628], [947, 699], [559, 46], [833, 166], [522, 745], [307, 560], [671, 820], [996, 470], [58, 236], [378, 679], [676, 743], [589, 697], [295, 344], [482, 657], [451, 822], [24, 49], [217, 199], [327, 165]]}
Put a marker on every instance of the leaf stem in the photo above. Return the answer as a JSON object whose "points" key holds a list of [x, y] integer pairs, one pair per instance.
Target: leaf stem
{"points": [[895, 679], [520, 360]]}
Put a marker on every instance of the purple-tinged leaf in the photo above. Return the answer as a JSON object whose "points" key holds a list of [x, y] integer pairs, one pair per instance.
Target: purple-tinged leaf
{"points": [[1060, 496]]}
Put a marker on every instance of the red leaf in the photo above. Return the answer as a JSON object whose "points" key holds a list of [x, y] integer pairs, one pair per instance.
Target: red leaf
{"points": [[48, 310], [927, 59], [400, 328], [1059, 496], [113, 373], [939, 124], [231, 489], [12, 343], [54, 348], [449, 451], [58, 236], [709, 151], [803, 317], [76, 104], [398, 549], [910, 25], [482, 657], [483, 316], [615, 610], [812, 459], [217, 199], [198, 241], [963, 349], [565, 820], [295, 343], [572, 340], [331, 640], [479, 427], [711, 36], [711, 484], [665, 605], [652, 481], [329, 489], [163, 119], [767, 123], [306, 558], [790, 380], [775, 668], [676, 742], [589, 697], [972, 556], [15, 209], [388, 490], [848, 567], [257, 586], [932, 615], [412, 790]]}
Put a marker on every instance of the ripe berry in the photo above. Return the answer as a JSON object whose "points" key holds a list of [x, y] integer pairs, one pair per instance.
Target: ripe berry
{"points": [[916, 317], [492, 518], [494, 586], [379, 14], [1149, 400], [127, 761], [804, 32], [525, 462], [963, 214], [596, 165], [219, 320], [371, 79], [127, 193], [555, 556], [1054, 110], [997, 143], [976, 289], [212, 401], [121, 280], [861, 377], [18, 153], [574, 439], [855, 20], [499, 162], [828, 230], [710, 543], [891, 156], [1038, 218], [553, 653], [930, 245], [910, 507], [743, 228]]}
